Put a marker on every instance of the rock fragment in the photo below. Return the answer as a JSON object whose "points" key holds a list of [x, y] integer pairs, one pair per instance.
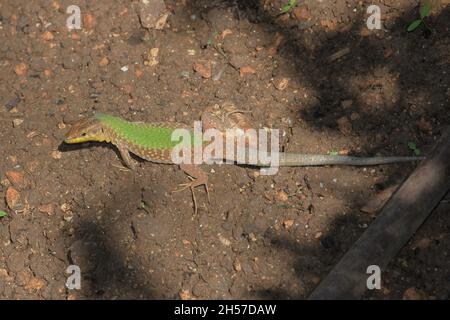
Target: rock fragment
{"points": [[152, 14]]}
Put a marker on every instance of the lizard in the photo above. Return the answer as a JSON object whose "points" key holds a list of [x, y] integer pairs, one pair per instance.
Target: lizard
{"points": [[153, 142]]}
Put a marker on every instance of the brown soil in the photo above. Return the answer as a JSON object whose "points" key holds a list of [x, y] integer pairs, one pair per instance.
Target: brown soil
{"points": [[261, 236]]}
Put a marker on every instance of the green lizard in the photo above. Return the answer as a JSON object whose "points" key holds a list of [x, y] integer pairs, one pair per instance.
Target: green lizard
{"points": [[153, 142]]}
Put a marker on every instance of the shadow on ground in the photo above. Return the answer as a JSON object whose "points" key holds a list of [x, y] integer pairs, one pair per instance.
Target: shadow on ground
{"points": [[385, 124]]}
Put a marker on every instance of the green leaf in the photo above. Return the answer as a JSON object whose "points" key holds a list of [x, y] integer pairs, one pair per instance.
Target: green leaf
{"points": [[413, 26], [412, 145], [287, 7], [417, 152], [333, 153], [3, 214], [425, 10]]}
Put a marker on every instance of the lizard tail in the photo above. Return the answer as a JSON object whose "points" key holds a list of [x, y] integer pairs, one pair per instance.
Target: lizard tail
{"points": [[300, 160]]}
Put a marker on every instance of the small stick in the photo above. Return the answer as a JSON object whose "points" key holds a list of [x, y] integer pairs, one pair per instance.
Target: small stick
{"points": [[338, 54]]}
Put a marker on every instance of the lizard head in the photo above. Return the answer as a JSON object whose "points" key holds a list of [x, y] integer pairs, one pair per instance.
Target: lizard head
{"points": [[87, 129]]}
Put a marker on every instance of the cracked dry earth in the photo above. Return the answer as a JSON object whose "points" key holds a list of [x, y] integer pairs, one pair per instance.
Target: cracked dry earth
{"points": [[315, 72]]}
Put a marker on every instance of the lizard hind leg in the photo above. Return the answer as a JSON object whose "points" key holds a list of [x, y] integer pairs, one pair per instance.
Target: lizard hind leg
{"points": [[198, 178]]}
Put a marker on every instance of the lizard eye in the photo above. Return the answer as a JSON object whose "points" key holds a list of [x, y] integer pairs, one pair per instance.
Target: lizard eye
{"points": [[83, 134]]}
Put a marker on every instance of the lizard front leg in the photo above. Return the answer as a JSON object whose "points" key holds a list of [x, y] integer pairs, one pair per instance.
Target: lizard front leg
{"points": [[126, 157]]}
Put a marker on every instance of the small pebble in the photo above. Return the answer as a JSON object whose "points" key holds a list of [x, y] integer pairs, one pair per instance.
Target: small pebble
{"points": [[17, 122], [12, 103], [21, 69], [56, 154]]}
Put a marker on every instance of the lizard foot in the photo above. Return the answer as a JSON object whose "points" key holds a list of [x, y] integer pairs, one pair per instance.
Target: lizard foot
{"points": [[198, 178]]}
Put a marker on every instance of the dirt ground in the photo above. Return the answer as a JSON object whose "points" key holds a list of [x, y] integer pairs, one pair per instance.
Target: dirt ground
{"points": [[316, 72]]}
